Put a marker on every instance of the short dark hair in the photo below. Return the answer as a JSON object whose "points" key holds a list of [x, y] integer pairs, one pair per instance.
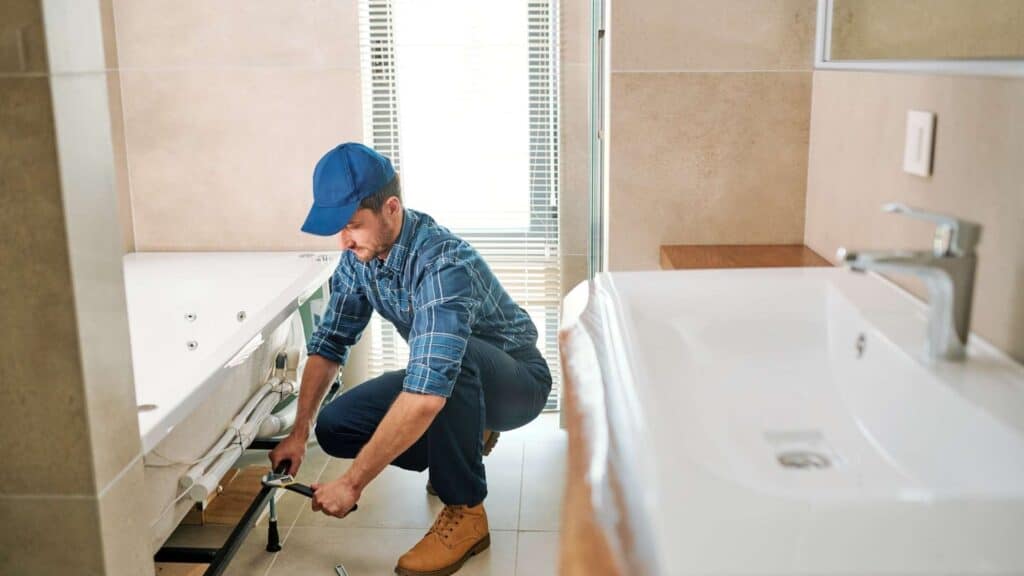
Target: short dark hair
{"points": [[377, 200]]}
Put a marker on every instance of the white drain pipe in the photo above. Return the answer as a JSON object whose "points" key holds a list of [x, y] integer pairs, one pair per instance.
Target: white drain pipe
{"points": [[208, 480], [202, 479]]}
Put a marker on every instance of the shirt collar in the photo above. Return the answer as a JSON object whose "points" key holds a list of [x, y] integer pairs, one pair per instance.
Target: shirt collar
{"points": [[400, 250]]}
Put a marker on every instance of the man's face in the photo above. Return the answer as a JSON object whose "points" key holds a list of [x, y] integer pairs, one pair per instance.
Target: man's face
{"points": [[367, 234]]}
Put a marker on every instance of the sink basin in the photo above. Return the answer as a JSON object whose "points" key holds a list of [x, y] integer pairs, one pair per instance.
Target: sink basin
{"points": [[787, 421]]}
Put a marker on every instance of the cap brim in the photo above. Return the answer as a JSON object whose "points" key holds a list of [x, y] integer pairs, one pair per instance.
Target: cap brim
{"points": [[328, 220]]}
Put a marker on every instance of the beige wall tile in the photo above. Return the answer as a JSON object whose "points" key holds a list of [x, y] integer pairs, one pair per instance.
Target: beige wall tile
{"points": [[120, 149], [855, 165], [231, 153], [117, 126], [574, 31], [84, 142], [574, 199], [237, 33], [124, 531], [574, 270], [705, 159], [22, 41], [50, 536], [39, 361], [665, 35]]}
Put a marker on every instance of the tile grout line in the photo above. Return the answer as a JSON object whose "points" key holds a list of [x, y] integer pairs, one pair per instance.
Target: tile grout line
{"points": [[519, 511], [77, 495], [291, 527], [295, 520]]}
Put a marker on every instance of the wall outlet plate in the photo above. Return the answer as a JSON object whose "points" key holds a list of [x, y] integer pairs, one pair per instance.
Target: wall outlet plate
{"points": [[918, 148]]}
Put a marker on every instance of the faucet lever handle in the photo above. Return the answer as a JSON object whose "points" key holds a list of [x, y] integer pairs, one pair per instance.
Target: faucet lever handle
{"points": [[953, 236]]}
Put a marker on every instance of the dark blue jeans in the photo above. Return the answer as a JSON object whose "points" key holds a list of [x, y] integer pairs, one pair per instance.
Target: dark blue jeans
{"points": [[494, 390]]}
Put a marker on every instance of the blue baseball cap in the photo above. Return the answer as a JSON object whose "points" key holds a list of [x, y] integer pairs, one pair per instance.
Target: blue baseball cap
{"points": [[344, 177]]}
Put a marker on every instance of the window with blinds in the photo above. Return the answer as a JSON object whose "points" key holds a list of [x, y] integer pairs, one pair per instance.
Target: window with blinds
{"points": [[462, 96]]}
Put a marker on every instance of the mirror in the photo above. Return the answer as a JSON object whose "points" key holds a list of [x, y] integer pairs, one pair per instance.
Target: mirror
{"points": [[927, 35]]}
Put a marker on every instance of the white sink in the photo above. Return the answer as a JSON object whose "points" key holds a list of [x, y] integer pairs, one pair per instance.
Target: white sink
{"points": [[786, 421]]}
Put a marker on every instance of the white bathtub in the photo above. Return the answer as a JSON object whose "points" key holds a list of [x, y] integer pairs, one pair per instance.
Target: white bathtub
{"points": [[184, 313], [205, 329]]}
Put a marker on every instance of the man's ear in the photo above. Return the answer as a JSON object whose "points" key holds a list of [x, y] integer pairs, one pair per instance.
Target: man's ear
{"points": [[394, 205]]}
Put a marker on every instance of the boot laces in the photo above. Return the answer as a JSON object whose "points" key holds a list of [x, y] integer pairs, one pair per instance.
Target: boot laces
{"points": [[447, 521]]}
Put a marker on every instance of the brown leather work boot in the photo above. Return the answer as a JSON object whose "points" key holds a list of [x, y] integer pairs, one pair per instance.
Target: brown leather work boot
{"points": [[459, 533], [490, 440]]}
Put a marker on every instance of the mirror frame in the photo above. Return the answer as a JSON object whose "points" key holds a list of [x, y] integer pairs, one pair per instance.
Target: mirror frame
{"points": [[973, 67]]}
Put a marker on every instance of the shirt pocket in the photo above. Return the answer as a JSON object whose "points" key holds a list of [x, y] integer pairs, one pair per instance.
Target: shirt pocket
{"points": [[402, 300]]}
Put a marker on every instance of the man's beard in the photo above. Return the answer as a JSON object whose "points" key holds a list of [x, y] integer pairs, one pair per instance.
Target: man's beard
{"points": [[366, 254]]}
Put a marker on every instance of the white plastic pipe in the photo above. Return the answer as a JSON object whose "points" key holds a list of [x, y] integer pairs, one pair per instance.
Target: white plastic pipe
{"points": [[278, 422], [229, 436], [206, 484], [255, 419]]}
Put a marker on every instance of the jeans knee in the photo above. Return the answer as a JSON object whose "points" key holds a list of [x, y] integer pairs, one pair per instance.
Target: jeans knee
{"points": [[336, 439]]}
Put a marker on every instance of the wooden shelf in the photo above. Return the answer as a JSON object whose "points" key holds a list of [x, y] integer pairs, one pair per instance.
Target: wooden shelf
{"points": [[693, 257]]}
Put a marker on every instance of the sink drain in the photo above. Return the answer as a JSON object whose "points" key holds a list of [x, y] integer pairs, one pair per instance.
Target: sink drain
{"points": [[804, 460]]}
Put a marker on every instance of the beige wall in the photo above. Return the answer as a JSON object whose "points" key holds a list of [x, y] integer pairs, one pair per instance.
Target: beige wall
{"points": [[574, 153], [73, 471], [227, 108], [710, 108], [856, 152], [927, 29]]}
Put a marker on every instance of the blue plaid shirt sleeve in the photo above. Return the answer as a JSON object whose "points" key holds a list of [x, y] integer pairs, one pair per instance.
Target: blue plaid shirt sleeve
{"points": [[444, 310], [344, 320]]}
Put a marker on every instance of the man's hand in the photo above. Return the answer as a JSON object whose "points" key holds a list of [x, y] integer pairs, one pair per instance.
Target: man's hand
{"points": [[293, 449], [335, 498]]}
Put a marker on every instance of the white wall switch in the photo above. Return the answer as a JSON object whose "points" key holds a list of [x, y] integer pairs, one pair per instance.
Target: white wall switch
{"points": [[917, 151]]}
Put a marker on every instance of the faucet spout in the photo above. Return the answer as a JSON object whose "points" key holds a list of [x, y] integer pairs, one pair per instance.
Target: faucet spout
{"points": [[947, 271]]}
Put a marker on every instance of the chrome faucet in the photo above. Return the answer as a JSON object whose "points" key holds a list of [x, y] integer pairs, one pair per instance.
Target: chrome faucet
{"points": [[947, 270]]}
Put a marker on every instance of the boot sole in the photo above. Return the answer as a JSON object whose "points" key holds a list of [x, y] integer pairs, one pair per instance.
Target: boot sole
{"points": [[488, 446], [477, 548]]}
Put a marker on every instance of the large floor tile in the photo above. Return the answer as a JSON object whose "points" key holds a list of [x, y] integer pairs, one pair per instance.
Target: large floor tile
{"points": [[398, 498], [252, 558], [374, 551], [544, 473], [537, 554]]}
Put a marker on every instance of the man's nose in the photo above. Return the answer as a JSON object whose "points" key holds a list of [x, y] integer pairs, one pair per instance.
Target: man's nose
{"points": [[346, 242]]}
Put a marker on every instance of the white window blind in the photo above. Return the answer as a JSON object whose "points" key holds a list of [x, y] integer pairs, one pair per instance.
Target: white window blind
{"points": [[462, 96]]}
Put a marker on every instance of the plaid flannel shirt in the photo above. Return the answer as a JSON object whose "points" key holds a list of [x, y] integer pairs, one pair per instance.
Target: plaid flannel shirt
{"points": [[437, 290]]}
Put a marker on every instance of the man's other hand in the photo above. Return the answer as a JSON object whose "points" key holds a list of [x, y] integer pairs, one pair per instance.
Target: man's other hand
{"points": [[335, 498], [293, 449]]}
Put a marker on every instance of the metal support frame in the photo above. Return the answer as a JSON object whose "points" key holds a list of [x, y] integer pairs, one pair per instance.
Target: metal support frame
{"points": [[219, 558]]}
